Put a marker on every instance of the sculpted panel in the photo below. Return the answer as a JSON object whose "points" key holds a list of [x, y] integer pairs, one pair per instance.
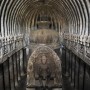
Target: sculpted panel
{"points": [[44, 68], [88, 52]]}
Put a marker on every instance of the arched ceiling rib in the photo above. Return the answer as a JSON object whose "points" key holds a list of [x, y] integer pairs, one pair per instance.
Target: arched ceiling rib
{"points": [[16, 14]]}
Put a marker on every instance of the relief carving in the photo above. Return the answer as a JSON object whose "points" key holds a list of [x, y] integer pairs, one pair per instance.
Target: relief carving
{"points": [[30, 75], [44, 68], [81, 49], [88, 52]]}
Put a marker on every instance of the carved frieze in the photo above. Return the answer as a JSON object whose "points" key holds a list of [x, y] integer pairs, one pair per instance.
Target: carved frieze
{"points": [[81, 49], [75, 46], [88, 52]]}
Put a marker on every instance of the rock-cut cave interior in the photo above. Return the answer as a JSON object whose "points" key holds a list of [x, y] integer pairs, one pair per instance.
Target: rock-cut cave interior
{"points": [[44, 44]]}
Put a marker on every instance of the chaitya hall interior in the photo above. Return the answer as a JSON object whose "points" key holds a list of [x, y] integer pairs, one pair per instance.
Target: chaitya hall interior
{"points": [[44, 44]]}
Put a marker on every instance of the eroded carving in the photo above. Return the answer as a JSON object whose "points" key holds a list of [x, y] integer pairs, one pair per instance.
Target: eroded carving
{"points": [[44, 68], [88, 52], [81, 49]]}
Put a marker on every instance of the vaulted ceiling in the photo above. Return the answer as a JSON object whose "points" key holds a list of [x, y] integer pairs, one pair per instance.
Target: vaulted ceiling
{"points": [[19, 15]]}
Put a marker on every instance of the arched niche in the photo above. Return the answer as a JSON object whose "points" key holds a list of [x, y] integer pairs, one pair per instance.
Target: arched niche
{"points": [[44, 68]]}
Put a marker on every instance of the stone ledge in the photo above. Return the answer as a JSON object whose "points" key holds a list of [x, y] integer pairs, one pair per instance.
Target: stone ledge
{"points": [[81, 56], [4, 58]]}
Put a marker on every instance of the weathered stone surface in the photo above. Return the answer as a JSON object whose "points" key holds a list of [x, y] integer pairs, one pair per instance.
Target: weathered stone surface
{"points": [[44, 36], [44, 68], [88, 52]]}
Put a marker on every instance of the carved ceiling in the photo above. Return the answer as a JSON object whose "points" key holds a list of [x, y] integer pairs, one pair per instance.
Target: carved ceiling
{"points": [[22, 14]]}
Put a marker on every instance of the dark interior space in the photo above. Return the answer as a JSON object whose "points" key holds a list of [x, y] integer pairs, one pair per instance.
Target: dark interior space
{"points": [[44, 44]]}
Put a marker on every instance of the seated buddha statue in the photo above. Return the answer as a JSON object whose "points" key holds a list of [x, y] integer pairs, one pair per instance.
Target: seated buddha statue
{"points": [[44, 70]]}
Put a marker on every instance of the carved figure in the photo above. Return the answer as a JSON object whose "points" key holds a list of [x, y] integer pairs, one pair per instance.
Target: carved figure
{"points": [[30, 75], [44, 68]]}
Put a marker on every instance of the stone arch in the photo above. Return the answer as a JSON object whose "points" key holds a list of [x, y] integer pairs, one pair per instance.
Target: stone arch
{"points": [[51, 67]]}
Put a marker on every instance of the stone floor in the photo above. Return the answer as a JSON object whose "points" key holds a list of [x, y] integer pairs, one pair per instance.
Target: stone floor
{"points": [[66, 85]]}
